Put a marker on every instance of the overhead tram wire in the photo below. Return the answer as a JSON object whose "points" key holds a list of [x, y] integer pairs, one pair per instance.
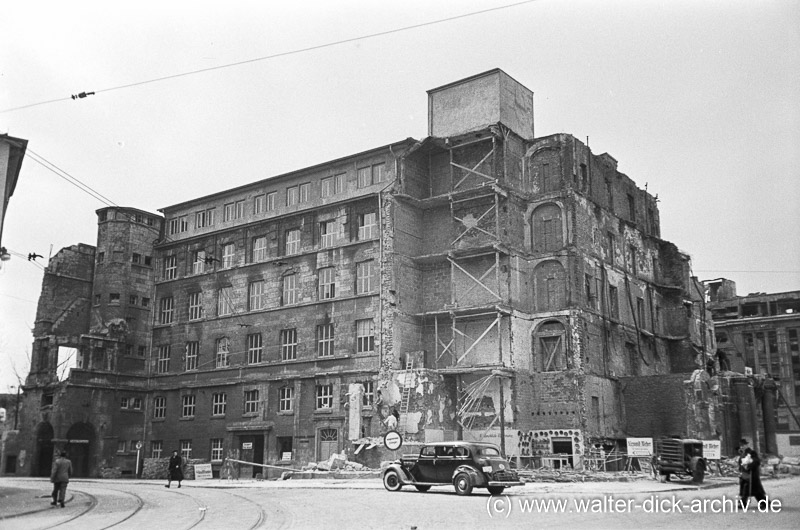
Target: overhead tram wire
{"points": [[275, 55]]}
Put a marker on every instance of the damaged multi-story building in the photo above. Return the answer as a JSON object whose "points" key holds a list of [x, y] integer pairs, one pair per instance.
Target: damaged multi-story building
{"points": [[758, 335], [483, 283]]}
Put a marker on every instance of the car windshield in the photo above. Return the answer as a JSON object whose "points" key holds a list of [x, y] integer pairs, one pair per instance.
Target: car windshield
{"points": [[489, 451]]}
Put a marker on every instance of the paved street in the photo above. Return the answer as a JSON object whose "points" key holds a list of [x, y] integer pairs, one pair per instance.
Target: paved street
{"points": [[129, 504]]}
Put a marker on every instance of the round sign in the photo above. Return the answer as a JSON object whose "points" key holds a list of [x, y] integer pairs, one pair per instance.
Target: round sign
{"points": [[138, 445], [392, 440]]}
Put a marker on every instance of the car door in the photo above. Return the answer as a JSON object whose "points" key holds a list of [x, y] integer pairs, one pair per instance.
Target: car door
{"points": [[425, 469], [446, 463]]}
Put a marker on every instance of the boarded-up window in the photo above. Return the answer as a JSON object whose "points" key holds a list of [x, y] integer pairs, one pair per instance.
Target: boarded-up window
{"points": [[550, 286], [547, 232], [551, 349]]}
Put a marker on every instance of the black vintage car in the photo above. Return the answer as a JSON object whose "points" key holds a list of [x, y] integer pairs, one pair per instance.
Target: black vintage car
{"points": [[465, 465]]}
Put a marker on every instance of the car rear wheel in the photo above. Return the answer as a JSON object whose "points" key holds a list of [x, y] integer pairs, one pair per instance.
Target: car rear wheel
{"points": [[391, 480], [495, 490], [462, 484], [423, 489]]}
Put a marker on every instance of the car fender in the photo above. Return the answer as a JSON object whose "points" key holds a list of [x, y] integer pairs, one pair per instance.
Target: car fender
{"points": [[405, 476], [477, 478]]}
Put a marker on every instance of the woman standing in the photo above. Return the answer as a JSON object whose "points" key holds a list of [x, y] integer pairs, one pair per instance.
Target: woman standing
{"points": [[175, 469]]}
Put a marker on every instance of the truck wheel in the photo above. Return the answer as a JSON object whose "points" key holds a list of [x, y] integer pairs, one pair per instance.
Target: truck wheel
{"points": [[391, 480], [495, 490], [423, 489], [699, 473], [463, 484]]}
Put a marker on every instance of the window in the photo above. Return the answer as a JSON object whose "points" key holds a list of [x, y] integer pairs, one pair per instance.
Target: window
{"points": [[187, 406], [199, 262], [368, 399], [547, 228], [255, 348], [142, 351], [370, 175], [124, 403], [145, 302], [633, 264], [225, 302], [156, 448], [291, 292], [259, 203], [632, 208], [550, 342], [257, 295], [327, 234], [204, 218], [133, 300], [97, 299], [101, 257], [367, 226], [611, 244], [587, 287], [113, 298], [159, 408], [136, 258], [192, 352], [178, 225], [364, 277], [223, 350], [640, 312], [216, 449], [148, 260], [325, 340], [327, 283], [228, 255], [259, 249], [170, 267], [550, 287], [195, 306], [251, 401], [365, 336], [186, 449], [121, 444], [324, 396], [305, 190], [234, 210], [288, 344], [285, 399], [613, 296], [332, 185], [291, 195], [162, 364], [135, 403], [292, 241], [219, 404], [271, 200]]}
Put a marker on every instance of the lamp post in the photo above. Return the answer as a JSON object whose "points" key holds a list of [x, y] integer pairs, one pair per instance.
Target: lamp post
{"points": [[16, 408]]}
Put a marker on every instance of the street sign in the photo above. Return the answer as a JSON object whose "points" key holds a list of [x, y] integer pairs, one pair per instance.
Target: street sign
{"points": [[392, 440], [138, 445], [247, 445], [640, 447]]}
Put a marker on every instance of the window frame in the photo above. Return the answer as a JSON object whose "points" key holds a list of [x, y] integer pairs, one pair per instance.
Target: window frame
{"points": [[365, 343], [323, 395], [196, 311], [163, 359], [326, 335], [219, 404], [255, 348], [251, 402], [257, 293], [292, 242], [286, 399], [364, 281], [188, 405], [222, 353], [326, 278], [288, 342], [192, 355]]}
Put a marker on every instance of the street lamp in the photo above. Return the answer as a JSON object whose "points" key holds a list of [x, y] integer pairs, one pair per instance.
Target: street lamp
{"points": [[16, 407]]}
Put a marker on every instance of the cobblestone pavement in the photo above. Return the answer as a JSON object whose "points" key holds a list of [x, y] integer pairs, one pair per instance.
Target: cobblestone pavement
{"points": [[325, 503]]}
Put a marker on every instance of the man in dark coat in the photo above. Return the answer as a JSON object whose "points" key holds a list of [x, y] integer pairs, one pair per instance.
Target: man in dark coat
{"points": [[175, 469], [59, 476], [749, 474]]}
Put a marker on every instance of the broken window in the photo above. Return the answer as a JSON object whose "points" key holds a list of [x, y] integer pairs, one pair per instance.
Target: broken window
{"points": [[550, 342], [367, 226]]}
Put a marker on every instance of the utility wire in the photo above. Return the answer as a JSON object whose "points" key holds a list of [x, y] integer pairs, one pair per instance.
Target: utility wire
{"points": [[276, 55], [67, 177]]}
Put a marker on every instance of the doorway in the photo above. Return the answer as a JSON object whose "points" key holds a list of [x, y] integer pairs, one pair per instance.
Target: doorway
{"points": [[562, 446], [79, 448], [44, 449], [253, 451], [328, 443]]}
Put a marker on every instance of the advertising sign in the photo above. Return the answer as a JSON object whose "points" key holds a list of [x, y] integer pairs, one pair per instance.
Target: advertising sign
{"points": [[640, 447], [712, 449], [202, 471]]}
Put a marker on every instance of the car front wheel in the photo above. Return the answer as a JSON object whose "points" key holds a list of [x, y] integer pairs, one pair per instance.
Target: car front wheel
{"points": [[495, 490], [391, 480], [462, 484]]}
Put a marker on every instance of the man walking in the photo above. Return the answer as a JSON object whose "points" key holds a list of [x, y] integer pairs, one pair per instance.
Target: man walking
{"points": [[59, 476]]}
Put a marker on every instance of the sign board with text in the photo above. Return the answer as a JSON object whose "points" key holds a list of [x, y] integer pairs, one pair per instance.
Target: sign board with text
{"points": [[640, 447], [202, 471], [712, 449]]}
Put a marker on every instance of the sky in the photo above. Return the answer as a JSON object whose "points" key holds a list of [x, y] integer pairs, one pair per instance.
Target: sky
{"points": [[696, 100]]}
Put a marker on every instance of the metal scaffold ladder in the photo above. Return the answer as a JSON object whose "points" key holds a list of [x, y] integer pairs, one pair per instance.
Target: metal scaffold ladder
{"points": [[408, 378]]}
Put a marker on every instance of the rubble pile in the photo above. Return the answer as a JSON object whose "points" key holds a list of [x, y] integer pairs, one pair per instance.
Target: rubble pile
{"points": [[336, 462], [569, 475]]}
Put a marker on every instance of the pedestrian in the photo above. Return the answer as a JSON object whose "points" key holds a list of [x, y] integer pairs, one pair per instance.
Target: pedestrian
{"points": [[749, 475], [59, 476], [175, 469]]}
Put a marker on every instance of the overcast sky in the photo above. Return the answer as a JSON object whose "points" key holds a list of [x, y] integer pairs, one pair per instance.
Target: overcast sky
{"points": [[697, 100]]}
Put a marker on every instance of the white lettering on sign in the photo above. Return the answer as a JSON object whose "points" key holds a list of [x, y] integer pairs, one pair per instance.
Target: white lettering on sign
{"points": [[712, 449], [247, 445], [202, 471]]}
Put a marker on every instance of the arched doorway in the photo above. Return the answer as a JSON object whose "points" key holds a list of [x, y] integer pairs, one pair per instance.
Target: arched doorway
{"points": [[44, 450], [79, 448]]}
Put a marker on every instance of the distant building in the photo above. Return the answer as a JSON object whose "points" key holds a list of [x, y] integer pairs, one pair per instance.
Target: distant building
{"points": [[482, 282], [759, 334]]}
